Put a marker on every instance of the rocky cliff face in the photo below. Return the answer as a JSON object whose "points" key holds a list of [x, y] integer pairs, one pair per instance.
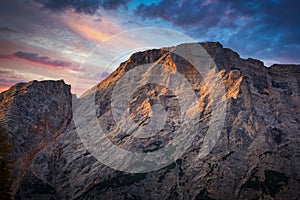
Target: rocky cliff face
{"points": [[34, 114], [257, 155]]}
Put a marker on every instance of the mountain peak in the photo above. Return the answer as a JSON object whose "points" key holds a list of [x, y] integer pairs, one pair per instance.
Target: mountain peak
{"points": [[255, 155]]}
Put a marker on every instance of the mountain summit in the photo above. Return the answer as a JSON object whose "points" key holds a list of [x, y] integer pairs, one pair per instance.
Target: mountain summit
{"points": [[256, 156]]}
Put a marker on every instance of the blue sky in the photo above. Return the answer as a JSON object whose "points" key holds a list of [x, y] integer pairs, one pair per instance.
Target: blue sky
{"points": [[50, 39]]}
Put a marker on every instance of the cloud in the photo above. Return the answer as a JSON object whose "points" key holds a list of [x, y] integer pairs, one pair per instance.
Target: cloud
{"points": [[4, 56], [9, 78], [186, 14], [82, 6], [102, 76], [88, 32], [7, 29], [263, 29], [34, 57]]}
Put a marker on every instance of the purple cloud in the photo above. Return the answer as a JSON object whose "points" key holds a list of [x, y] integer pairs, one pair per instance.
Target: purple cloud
{"points": [[34, 57], [7, 29]]}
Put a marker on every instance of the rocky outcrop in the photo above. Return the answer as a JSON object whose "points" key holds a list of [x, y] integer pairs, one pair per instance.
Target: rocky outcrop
{"points": [[33, 114], [256, 157]]}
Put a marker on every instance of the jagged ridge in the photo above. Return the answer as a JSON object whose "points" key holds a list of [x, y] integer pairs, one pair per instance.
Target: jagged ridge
{"points": [[257, 155]]}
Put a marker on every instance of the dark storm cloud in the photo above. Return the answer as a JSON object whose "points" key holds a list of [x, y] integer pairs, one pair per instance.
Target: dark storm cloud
{"points": [[208, 13], [266, 29], [186, 13], [82, 6], [34, 57]]}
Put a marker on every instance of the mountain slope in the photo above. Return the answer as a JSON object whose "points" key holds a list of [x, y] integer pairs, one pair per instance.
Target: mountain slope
{"points": [[256, 156], [33, 114]]}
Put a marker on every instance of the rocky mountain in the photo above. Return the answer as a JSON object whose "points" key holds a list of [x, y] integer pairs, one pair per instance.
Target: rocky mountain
{"points": [[256, 156], [34, 114]]}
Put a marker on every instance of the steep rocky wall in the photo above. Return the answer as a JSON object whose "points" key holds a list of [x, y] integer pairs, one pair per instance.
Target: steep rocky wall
{"points": [[256, 157], [33, 114]]}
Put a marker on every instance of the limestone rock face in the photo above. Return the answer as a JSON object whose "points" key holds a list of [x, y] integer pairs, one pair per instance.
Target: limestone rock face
{"points": [[34, 114], [257, 155]]}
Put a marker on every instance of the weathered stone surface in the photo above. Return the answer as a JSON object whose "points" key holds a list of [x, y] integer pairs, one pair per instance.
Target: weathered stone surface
{"points": [[34, 114], [256, 157]]}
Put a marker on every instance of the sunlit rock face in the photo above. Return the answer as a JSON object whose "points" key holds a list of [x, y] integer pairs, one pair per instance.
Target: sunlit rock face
{"points": [[257, 155]]}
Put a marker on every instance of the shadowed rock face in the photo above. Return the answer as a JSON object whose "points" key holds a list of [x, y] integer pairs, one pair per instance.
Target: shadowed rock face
{"points": [[34, 114], [256, 157]]}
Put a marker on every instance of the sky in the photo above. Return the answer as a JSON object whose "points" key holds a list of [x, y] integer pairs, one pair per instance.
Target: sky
{"points": [[82, 41]]}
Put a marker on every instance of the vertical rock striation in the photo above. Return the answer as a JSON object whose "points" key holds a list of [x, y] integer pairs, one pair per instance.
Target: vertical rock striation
{"points": [[34, 114], [256, 157]]}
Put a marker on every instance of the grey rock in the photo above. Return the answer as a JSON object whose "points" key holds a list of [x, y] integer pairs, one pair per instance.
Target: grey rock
{"points": [[256, 157], [34, 114]]}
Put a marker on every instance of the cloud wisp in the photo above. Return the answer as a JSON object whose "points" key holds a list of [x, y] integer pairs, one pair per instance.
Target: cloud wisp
{"points": [[89, 7], [7, 29], [34, 57]]}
